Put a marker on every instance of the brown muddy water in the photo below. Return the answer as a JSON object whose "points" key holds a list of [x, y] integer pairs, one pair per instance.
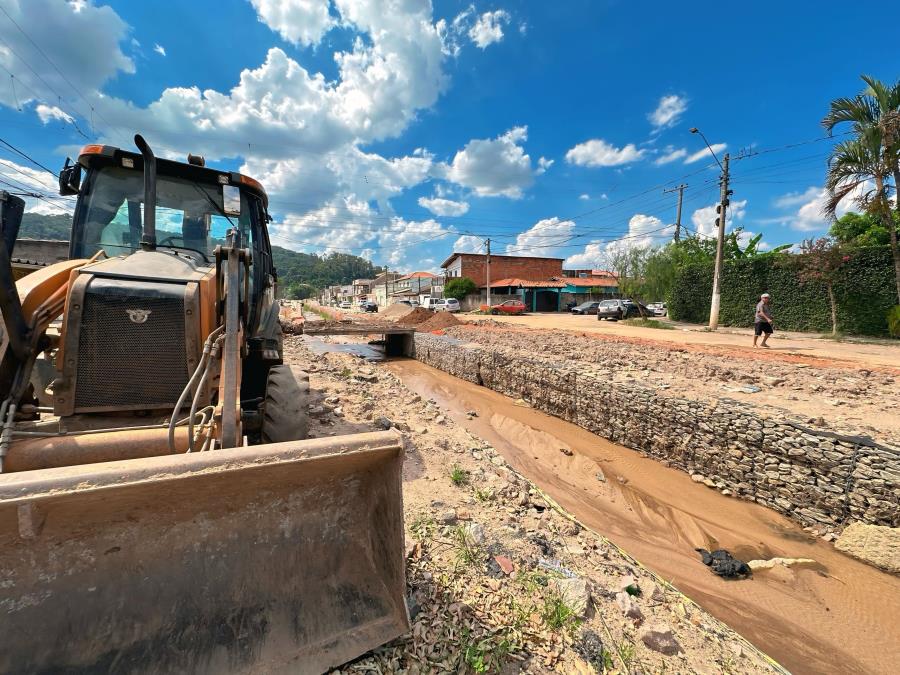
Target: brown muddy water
{"points": [[838, 616]]}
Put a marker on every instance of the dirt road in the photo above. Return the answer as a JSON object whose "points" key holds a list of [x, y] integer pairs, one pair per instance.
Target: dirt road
{"points": [[784, 346]]}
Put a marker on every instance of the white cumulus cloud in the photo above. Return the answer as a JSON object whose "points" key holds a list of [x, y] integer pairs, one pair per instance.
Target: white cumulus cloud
{"points": [[670, 155], [668, 111], [542, 238], [443, 207], [704, 218], [48, 113], [468, 243], [494, 167], [597, 152], [302, 22], [69, 33], [488, 29]]}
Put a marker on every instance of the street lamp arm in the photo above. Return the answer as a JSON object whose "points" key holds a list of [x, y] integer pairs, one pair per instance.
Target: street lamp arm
{"points": [[695, 130]]}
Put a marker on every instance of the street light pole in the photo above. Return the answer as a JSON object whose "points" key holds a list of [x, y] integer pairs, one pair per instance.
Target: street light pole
{"points": [[720, 249], [721, 210]]}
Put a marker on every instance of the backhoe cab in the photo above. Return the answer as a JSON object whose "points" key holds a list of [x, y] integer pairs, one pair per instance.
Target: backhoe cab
{"points": [[137, 533]]}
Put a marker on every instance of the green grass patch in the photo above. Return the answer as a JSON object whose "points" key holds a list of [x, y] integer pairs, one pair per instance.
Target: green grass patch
{"points": [[648, 323], [459, 476]]}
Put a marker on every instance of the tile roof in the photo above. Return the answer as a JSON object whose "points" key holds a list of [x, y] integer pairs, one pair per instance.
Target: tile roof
{"points": [[525, 283], [589, 282]]}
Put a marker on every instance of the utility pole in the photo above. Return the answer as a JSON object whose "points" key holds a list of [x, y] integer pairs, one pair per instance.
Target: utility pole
{"points": [[487, 271], [721, 210], [680, 190], [387, 274]]}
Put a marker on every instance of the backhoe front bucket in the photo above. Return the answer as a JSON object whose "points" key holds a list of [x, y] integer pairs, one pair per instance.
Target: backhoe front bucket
{"points": [[286, 557]]}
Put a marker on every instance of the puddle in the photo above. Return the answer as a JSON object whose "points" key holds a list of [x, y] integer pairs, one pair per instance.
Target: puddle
{"points": [[839, 615]]}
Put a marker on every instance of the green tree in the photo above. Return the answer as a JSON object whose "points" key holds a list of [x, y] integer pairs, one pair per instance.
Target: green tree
{"points": [[821, 261], [459, 287], [873, 154], [862, 229], [299, 291]]}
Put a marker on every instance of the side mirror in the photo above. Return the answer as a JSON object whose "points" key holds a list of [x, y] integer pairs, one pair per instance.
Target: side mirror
{"points": [[70, 178]]}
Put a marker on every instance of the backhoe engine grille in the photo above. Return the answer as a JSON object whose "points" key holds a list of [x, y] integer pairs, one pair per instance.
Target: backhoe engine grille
{"points": [[131, 348]]}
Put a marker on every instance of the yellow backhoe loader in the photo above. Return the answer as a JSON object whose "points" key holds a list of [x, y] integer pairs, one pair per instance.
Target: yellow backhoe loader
{"points": [[161, 509]]}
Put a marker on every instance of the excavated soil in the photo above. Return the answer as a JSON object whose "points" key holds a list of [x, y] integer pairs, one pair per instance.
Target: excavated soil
{"points": [[396, 311], [439, 321], [415, 317]]}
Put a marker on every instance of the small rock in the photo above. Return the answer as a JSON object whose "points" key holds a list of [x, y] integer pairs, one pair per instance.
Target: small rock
{"points": [[448, 517], [600, 476], [655, 592], [474, 533], [338, 412], [629, 607], [505, 564], [333, 400], [463, 514], [773, 381], [575, 592], [384, 423], [472, 413], [660, 638], [831, 536], [697, 478], [566, 451]]}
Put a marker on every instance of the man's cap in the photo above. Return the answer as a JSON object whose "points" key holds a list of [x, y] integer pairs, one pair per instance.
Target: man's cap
{"points": [[765, 295]]}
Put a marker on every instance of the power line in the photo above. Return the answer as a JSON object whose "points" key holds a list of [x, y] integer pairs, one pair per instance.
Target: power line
{"points": [[29, 158]]}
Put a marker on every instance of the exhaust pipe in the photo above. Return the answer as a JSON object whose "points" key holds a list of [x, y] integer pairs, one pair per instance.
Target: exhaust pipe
{"points": [[148, 238]]}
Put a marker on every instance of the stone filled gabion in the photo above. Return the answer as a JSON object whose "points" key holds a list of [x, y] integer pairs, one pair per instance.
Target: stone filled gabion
{"points": [[818, 478]]}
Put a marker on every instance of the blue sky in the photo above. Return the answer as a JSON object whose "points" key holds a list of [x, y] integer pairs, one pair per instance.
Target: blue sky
{"points": [[402, 129]]}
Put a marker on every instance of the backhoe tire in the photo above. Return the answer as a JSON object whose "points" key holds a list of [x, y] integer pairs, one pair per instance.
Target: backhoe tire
{"points": [[287, 405]]}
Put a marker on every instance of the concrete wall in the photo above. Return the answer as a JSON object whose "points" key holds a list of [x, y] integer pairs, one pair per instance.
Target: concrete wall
{"points": [[817, 478]]}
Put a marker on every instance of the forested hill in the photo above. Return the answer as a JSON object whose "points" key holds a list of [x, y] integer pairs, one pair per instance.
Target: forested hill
{"points": [[320, 271], [293, 268], [37, 226]]}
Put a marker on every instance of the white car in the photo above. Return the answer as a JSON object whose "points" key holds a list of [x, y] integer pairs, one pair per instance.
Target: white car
{"points": [[345, 304], [448, 305]]}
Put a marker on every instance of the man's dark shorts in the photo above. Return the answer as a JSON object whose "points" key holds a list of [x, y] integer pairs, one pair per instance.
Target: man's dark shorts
{"points": [[763, 327]]}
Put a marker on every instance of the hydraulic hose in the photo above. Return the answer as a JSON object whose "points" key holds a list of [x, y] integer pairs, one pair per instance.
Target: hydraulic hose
{"points": [[207, 348]]}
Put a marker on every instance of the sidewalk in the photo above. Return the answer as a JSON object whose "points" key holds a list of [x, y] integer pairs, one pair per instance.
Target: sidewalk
{"points": [[854, 352]]}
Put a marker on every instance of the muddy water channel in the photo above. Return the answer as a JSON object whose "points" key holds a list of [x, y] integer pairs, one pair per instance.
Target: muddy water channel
{"points": [[837, 616]]}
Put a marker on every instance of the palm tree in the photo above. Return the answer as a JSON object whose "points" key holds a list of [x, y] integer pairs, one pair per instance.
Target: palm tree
{"points": [[873, 154]]}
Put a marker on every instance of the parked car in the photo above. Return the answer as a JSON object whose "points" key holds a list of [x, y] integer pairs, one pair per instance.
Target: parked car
{"points": [[345, 304], [432, 303], [403, 302], [620, 309], [370, 307], [448, 305], [589, 307], [658, 308], [508, 307]]}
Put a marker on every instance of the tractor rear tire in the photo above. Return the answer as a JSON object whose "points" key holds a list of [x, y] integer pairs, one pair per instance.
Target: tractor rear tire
{"points": [[286, 406]]}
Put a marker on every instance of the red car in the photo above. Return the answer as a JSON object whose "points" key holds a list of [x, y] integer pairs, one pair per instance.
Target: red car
{"points": [[508, 307]]}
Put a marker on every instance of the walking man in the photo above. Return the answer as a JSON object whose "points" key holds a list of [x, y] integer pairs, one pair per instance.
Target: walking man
{"points": [[763, 324]]}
